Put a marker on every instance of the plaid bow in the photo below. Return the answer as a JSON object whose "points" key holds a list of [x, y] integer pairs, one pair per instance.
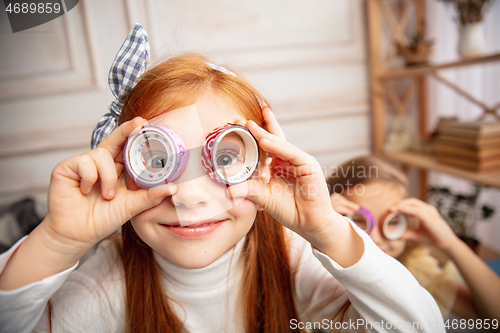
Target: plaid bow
{"points": [[130, 63]]}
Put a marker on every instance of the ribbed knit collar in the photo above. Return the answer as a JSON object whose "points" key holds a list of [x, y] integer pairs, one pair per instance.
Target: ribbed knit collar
{"points": [[209, 277]]}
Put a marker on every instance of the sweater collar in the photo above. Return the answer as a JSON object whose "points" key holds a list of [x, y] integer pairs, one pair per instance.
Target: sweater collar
{"points": [[213, 275]]}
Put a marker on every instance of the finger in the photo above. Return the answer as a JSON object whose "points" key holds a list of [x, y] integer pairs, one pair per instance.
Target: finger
{"points": [[260, 133], [114, 142], [271, 124], [408, 202], [286, 169], [252, 190], [287, 152], [277, 146], [85, 167], [143, 199], [106, 170], [414, 208]]}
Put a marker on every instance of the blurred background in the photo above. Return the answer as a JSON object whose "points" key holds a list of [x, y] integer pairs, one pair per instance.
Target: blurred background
{"points": [[313, 60]]}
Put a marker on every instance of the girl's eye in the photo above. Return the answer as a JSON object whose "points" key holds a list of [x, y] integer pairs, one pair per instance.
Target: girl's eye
{"points": [[154, 161], [226, 158], [360, 221], [158, 162]]}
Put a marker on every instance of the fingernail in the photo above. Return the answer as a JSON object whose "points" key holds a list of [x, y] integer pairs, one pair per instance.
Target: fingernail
{"points": [[111, 192]]}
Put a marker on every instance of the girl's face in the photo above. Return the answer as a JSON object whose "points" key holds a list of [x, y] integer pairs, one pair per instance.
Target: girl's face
{"points": [[379, 198], [214, 223]]}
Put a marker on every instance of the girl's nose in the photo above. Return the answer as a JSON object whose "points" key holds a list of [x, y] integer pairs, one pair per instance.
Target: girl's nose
{"points": [[194, 186], [192, 193]]}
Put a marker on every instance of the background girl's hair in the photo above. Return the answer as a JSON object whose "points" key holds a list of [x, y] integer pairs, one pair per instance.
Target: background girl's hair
{"points": [[268, 280], [366, 170]]}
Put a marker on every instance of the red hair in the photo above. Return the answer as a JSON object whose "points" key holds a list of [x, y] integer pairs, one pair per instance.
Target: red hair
{"points": [[268, 279]]}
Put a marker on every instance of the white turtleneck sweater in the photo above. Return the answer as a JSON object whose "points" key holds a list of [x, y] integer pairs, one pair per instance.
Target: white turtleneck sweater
{"points": [[92, 298]]}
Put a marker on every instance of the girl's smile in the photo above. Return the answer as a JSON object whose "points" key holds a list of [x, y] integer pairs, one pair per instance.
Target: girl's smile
{"points": [[194, 229]]}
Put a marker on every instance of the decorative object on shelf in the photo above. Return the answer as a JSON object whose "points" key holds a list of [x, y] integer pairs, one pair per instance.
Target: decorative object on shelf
{"points": [[418, 51], [401, 136], [461, 211], [471, 42], [471, 145], [469, 16]]}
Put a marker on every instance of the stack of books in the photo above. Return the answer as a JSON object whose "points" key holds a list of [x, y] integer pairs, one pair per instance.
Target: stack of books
{"points": [[469, 145]]}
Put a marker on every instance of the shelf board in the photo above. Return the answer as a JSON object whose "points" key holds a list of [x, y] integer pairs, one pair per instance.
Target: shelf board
{"points": [[425, 161], [398, 73]]}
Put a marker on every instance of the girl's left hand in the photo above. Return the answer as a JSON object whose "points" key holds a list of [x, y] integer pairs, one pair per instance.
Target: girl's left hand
{"points": [[297, 194], [432, 228]]}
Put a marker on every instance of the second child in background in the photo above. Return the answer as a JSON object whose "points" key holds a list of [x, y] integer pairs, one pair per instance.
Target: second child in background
{"points": [[371, 186]]}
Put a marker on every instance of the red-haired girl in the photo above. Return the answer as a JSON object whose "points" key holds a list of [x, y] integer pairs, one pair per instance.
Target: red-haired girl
{"points": [[199, 254]]}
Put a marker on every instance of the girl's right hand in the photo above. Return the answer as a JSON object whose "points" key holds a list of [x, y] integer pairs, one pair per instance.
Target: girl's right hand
{"points": [[342, 205], [88, 198]]}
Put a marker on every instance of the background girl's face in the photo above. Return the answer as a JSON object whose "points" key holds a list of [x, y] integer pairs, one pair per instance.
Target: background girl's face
{"points": [[215, 223], [379, 197]]}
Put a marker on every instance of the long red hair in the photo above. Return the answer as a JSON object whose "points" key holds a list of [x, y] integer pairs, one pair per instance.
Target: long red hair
{"points": [[268, 279]]}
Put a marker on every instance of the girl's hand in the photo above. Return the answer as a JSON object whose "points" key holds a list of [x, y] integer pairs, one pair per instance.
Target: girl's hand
{"points": [[88, 198], [297, 194], [342, 205], [432, 227]]}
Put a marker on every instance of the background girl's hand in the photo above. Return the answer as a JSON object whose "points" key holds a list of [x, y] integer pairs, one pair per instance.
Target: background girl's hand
{"points": [[88, 198], [342, 205], [296, 195], [432, 228]]}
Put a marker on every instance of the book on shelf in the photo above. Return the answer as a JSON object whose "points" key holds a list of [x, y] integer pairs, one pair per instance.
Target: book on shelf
{"points": [[471, 129], [471, 145], [470, 164], [477, 142], [460, 151]]}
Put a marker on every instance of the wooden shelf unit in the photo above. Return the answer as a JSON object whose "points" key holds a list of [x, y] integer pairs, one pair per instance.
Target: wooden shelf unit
{"points": [[428, 162], [398, 73], [382, 92]]}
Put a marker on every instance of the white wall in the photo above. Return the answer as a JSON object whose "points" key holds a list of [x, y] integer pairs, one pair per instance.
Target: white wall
{"points": [[307, 57]]}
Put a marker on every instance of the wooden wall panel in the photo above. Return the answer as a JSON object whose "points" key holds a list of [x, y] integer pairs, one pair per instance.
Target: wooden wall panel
{"points": [[308, 58], [58, 56]]}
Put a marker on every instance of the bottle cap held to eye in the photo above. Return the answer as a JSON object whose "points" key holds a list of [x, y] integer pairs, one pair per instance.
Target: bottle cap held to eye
{"points": [[157, 155], [393, 225], [364, 219], [230, 154]]}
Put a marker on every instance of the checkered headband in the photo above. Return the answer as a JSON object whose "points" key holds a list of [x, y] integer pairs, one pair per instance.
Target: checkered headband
{"points": [[129, 64]]}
